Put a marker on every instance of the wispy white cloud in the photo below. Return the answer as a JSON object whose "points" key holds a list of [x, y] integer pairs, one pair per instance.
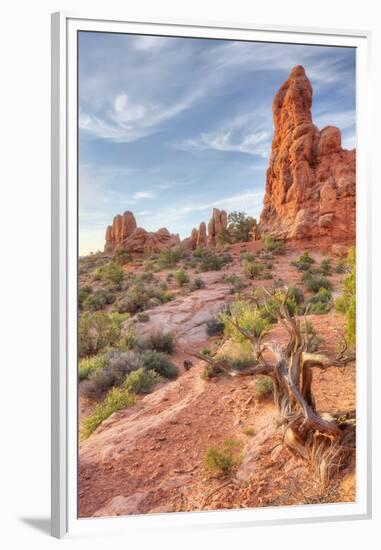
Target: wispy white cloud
{"points": [[138, 195]]}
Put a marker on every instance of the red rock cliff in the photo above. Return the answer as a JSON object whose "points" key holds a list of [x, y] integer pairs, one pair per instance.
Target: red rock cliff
{"points": [[311, 180]]}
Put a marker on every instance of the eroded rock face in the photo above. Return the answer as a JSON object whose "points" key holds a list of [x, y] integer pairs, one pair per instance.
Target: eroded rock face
{"points": [[217, 223], [311, 180], [204, 236], [124, 234], [122, 227]]}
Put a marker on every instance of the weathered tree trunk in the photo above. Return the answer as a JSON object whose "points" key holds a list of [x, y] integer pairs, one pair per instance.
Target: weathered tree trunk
{"points": [[324, 439]]}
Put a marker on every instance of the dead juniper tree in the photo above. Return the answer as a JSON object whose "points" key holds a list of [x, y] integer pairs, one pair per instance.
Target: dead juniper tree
{"points": [[326, 440]]}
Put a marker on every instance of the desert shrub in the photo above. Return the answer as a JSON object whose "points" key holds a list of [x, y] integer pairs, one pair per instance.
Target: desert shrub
{"points": [[139, 297], [118, 365], [248, 256], [129, 338], [149, 266], [83, 293], [122, 257], [341, 267], [296, 294], [165, 296], [211, 262], [87, 365], [160, 363], [98, 300], [253, 270], [223, 237], [181, 277], [263, 388], [215, 326], [146, 277], [279, 283], [210, 371], [95, 332], [235, 283], [270, 244], [246, 315], [157, 341], [141, 381], [325, 267], [304, 262], [111, 273], [206, 351], [315, 283], [197, 284], [347, 302], [169, 277], [142, 317], [222, 460], [116, 399], [321, 302], [170, 257], [312, 339], [240, 226]]}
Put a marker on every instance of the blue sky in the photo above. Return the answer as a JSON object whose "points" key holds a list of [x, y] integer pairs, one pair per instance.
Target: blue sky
{"points": [[171, 127]]}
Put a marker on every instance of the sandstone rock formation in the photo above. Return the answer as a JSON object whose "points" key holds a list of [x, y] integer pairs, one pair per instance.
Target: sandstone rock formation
{"points": [[311, 180], [218, 221], [202, 237], [123, 233], [122, 227]]}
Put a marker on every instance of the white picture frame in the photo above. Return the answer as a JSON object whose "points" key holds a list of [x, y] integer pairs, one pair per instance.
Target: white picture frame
{"points": [[64, 278]]}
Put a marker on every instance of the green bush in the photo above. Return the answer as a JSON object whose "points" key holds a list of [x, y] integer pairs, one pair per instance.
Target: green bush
{"points": [[117, 399], [253, 270], [263, 388], [87, 365], [325, 267], [296, 294], [197, 284], [98, 300], [270, 244], [160, 363], [223, 237], [222, 460], [157, 341], [311, 338], [117, 366], [246, 315], [240, 226], [346, 304], [320, 303], [111, 273], [181, 277], [122, 257], [341, 267], [141, 381], [215, 327], [315, 283], [248, 256], [96, 331], [211, 262], [304, 262], [83, 294], [235, 283], [170, 257]]}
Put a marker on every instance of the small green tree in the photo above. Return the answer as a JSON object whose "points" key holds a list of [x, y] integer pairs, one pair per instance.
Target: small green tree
{"points": [[347, 302], [240, 226]]}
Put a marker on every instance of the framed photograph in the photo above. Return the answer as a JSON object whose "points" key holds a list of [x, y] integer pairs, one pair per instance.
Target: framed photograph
{"points": [[211, 275]]}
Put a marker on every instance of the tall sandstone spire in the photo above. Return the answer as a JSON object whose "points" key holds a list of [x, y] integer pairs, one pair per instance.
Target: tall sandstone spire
{"points": [[311, 180]]}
